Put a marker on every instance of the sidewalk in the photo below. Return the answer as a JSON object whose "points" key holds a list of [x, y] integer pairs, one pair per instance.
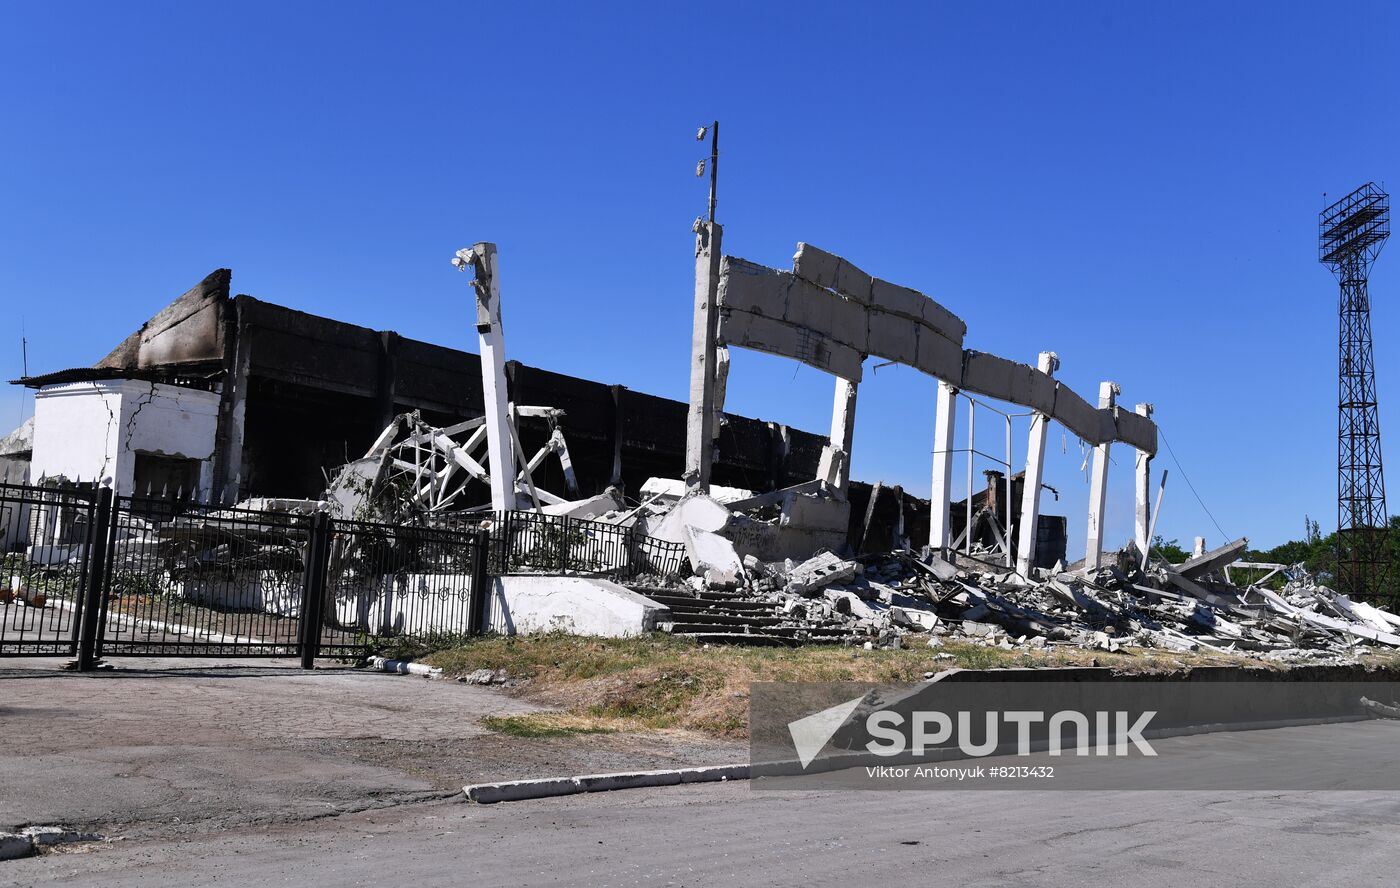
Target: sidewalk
{"points": [[171, 747]]}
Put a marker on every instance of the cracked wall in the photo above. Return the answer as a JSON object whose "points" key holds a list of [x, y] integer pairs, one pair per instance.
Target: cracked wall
{"points": [[95, 430]]}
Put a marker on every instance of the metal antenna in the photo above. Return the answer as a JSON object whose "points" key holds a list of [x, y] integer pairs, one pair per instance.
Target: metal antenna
{"points": [[1351, 233], [24, 358], [713, 130]]}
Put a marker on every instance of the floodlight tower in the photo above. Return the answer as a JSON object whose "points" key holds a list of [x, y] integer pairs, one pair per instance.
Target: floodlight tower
{"points": [[1351, 233]]}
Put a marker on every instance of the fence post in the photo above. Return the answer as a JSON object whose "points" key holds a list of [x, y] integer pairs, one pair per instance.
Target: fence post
{"points": [[481, 585], [96, 589], [313, 589], [506, 544], [564, 545]]}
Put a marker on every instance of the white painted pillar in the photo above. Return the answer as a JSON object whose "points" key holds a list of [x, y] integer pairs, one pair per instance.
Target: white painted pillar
{"points": [[500, 451], [1142, 493], [834, 467], [700, 422], [1098, 486], [944, 417], [1035, 473]]}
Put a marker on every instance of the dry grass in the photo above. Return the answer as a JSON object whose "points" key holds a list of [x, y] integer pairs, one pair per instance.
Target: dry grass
{"points": [[663, 682]]}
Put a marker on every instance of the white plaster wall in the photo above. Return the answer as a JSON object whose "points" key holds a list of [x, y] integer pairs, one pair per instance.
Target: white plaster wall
{"points": [[93, 430], [419, 603], [166, 420], [576, 605], [75, 431]]}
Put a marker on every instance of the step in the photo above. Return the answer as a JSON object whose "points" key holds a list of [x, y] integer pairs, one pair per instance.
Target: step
{"points": [[682, 601], [755, 640], [723, 619]]}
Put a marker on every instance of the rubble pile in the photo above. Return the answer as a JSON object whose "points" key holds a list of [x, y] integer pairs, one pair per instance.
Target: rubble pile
{"points": [[902, 598]]}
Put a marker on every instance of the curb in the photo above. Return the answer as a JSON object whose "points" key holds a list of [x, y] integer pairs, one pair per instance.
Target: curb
{"points": [[403, 667], [548, 787], [14, 846]]}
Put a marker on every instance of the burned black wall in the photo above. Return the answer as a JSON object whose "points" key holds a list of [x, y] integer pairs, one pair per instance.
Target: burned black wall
{"points": [[321, 390]]}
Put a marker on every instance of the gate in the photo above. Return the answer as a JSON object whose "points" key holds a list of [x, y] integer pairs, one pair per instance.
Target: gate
{"points": [[93, 576], [42, 591]]}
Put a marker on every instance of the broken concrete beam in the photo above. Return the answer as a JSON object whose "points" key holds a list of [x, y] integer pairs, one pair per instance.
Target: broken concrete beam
{"points": [[833, 272], [940, 358], [778, 337], [894, 337], [1213, 560], [1034, 389], [989, 375], [894, 299], [944, 322], [1077, 414], [828, 270], [1136, 430], [748, 286], [821, 570], [844, 320]]}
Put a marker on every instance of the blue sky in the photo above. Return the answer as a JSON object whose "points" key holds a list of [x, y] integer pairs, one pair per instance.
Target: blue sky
{"points": [[1134, 186]]}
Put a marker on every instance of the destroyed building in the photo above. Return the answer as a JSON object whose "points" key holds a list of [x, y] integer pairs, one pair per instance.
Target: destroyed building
{"points": [[226, 397]]}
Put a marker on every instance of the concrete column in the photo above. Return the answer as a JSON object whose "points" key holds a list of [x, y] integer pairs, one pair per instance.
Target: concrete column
{"points": [[500, 451], [835, 465], [700, 422], [1098, 487], [1035, 473], [233, 406], [944, 417], [1142, 493]]}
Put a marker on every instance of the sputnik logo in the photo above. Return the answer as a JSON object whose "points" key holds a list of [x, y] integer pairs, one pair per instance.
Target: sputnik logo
{"points": [[811, 733]]}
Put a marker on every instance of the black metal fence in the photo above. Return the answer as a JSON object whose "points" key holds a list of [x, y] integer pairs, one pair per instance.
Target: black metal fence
{"points": [[188, 579], [90, 575], [42, 590], [531, 542]]}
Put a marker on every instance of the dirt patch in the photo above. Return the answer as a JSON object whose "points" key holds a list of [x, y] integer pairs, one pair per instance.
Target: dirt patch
{"points": [[664, 682]]}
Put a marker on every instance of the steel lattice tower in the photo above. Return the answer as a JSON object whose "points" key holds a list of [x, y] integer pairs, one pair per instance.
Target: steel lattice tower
{"points": [[1351, 233]]}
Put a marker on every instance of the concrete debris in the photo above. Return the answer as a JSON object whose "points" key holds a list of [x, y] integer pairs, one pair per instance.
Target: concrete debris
{"points": [[485, 677], [820, 571], [877, 600]]}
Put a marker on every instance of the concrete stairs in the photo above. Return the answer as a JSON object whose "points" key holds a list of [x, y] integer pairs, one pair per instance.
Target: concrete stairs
{"points": [[715, 617]]}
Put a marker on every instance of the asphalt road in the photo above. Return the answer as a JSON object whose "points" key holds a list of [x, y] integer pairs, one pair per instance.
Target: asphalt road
{"points": [[238, 775]]}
